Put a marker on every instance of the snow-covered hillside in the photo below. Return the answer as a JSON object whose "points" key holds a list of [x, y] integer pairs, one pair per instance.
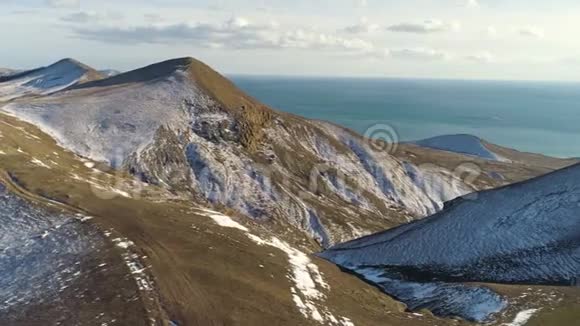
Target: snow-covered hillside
{"points": [[54, 265], [35, 247], [180, 124], [524, 233], [462, 144], [53, 78]]}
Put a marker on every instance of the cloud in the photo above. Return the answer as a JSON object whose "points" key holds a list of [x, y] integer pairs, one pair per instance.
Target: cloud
{"points": [[63, 3], [491, 31], [531, 31], [302, 39], [80, 17], [426, 27], [483, 57], [153, 18], [573, 60], [83, 17], [361, 3], [25, 12], [236, 33], [472, 3], [421, 54], [363, 27]]}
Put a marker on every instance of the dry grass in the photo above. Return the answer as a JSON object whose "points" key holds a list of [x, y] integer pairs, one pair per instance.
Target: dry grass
{"points": [[251, 115]]}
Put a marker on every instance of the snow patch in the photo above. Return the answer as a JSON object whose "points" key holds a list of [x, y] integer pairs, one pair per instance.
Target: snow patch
{"points": [[133, 262], [224, 221], [120, 192], [123, 243], [523, 317], [40, 163], [309, 284]]}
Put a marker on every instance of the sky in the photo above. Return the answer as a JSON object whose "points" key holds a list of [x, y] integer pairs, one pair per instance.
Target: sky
{"points": [[458, 39]]}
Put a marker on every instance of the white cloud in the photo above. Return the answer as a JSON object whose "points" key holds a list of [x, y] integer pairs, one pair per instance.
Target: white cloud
{"points": [[531, 31], [472, 3], [236, 33], [153, 18], [364, 26], [483, 57], [422, 54], [303, 39], [64, 3], [426, 27], [361, 3], [491, 31], [82, 17], [237, 23], [573, 60]]}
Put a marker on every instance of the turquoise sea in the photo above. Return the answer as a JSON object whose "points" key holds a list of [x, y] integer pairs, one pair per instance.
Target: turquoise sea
{"points": [[542, 117]]}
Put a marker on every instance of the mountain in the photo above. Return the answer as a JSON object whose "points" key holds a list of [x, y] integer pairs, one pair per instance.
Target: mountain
{"points": [[46, 80], [181, 124], [463, 144], [479, 148], [166, 196], [526, 233]]}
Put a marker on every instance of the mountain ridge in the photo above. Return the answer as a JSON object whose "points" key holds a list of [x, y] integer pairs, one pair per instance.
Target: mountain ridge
{"points": [[524, 233], [46, 80], [182, 124]]}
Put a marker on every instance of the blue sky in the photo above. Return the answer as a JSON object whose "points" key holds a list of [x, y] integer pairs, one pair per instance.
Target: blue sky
{"points": [[473, 39]]}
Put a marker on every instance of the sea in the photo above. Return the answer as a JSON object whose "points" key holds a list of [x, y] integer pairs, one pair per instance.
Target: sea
{"points": [[539, 117]]}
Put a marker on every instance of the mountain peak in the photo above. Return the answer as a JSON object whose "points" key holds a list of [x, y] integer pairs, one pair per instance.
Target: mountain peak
{"points": [[220, 88], [68, 61], [251, 114], [164, 69], [46, 80]]}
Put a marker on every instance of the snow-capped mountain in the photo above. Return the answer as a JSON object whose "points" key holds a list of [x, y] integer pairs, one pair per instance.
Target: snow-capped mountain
{"points": [[46, 80], [526, 233], [179, 123], [462, 144]]}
